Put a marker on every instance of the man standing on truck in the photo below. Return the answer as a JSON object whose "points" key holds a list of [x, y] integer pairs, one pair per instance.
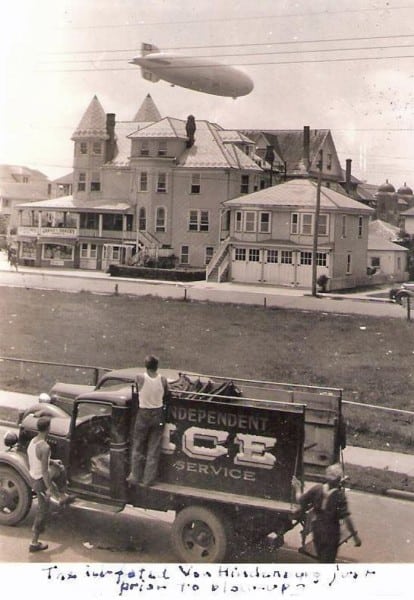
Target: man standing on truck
{"points": [[48, 478], [328, 505], [153, 393]]}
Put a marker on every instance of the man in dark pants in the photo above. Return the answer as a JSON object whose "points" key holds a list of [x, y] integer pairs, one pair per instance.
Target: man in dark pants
{"points": [[48, 479], [329, 506], [153, 392]]}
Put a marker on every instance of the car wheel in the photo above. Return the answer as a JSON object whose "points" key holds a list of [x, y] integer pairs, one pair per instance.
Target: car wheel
{"points": [[15, 497], [200, 535]]}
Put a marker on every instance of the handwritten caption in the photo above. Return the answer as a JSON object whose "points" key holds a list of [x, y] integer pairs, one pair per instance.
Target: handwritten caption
{"points": [[212, 580]]}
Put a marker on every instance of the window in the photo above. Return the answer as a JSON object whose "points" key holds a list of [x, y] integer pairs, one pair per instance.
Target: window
{"points": [[360, 226], [321, 259], [82, 182], [249, 221], [329, 162], [185, 255], [254, 255], [145, 148], [306, 258], [256, 183], [95, 182], [198, 220], [399, 263], [264, 226], [244, 185], [294, 223], [160, 219], [162, 183], [143, 182], [240, 254], [142, 219], [57, 252], [307, 224], [348, 263], [97, 148], [89, 221], [5, 202], [286, 257], [238, 223], [25, 180], [88, 250], [83, 148], [375, 261], [115, 252], [208, 254], [195, 183], [271, 256], [343, 226], [112, 222], [162, 148], [323, 225]]}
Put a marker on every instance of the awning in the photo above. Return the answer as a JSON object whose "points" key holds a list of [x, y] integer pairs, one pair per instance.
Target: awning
{"points": [[58, 241]]}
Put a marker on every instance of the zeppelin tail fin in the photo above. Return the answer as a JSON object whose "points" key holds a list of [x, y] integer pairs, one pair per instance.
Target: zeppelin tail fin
{"points": [[149, 75]]}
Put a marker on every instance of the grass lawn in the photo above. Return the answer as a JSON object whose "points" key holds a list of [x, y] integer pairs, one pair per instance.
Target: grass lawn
{"points": [[370, 358]]}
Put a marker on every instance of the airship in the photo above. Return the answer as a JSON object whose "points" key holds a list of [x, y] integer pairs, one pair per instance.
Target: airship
{"points": [[200, 74]]}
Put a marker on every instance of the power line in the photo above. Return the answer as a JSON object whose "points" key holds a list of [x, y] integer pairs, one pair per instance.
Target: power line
{"points": [[323, 13], [244, 45], [252, 64], [311, 51]]}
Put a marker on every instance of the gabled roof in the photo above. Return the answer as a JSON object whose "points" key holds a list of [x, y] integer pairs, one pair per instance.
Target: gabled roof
{"points": [[93, 122], [376, 242], [148, 112], [21, 191], [289, 145], [300, 194], [166, 128], [209, 151], [69, 203], [68, 178], [12, 174], [383, 229]]}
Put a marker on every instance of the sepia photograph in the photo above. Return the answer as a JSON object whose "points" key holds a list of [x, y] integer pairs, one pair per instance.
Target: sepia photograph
{"points": [[206, 274]]}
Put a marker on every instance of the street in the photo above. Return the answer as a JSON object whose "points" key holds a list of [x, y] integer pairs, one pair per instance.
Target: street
{"points": [[385, 525]]}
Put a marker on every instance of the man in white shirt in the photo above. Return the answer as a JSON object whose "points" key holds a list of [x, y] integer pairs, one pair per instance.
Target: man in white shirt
{"points": [[48, 478], [149, 424]]}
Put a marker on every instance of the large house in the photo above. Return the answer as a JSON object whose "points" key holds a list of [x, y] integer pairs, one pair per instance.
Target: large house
{"points": [[19, 184], [271, 237], [151, 186]]}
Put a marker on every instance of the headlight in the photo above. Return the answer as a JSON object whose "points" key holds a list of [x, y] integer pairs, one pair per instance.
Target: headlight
{"points": [[10, 439]]}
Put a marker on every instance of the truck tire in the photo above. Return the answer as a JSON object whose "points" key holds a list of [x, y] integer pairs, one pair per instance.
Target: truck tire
{"points": [[15, 497], [200, 535]]}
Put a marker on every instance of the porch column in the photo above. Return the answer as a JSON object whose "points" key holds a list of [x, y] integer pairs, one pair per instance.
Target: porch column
{"points": [[100, 223]]}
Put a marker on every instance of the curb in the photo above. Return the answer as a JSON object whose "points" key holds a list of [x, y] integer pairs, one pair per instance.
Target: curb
{"points": [[400, 494]]}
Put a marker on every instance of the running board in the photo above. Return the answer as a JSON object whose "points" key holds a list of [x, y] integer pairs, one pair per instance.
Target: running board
{"points": [[97, 506]]}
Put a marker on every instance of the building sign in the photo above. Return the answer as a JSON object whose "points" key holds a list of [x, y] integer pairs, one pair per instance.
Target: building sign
{"points": [[242, 448], [60, 232], [24, 230]]}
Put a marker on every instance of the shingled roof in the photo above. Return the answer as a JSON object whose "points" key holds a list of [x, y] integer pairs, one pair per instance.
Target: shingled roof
{"points": [[299, 193], [93, 122]]}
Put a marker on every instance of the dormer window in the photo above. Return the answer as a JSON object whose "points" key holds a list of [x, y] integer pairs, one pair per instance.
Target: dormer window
{"points": [[162, 148], [145, 148]]}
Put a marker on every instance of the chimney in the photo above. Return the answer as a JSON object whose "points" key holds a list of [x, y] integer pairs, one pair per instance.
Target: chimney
{"points": [[348, 175], [306, 145], [110, 142], [190, 128]]}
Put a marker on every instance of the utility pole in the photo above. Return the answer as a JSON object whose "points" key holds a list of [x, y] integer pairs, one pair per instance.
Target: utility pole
{"points": [[316, 224]]}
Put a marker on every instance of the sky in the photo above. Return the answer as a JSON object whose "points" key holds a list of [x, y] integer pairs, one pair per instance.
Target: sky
{"points": [[347, 67]]}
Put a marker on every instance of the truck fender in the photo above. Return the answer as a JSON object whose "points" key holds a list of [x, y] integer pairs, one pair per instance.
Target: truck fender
{"points": [[18, 462], [45, 410]]}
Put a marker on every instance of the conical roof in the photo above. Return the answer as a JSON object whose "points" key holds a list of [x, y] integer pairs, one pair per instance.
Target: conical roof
{"points": [[93, 122], [148, 112]]}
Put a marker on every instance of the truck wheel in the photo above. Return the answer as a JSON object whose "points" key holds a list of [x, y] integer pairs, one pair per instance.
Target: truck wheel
{"points": [[15, 497], [200, 535]]}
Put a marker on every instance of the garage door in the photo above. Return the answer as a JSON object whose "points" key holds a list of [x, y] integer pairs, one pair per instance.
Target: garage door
{"points": [[304, 270], [247, 264]]}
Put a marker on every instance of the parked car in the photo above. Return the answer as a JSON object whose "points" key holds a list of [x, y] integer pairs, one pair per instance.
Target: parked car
{"points": [[400, 295]]}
